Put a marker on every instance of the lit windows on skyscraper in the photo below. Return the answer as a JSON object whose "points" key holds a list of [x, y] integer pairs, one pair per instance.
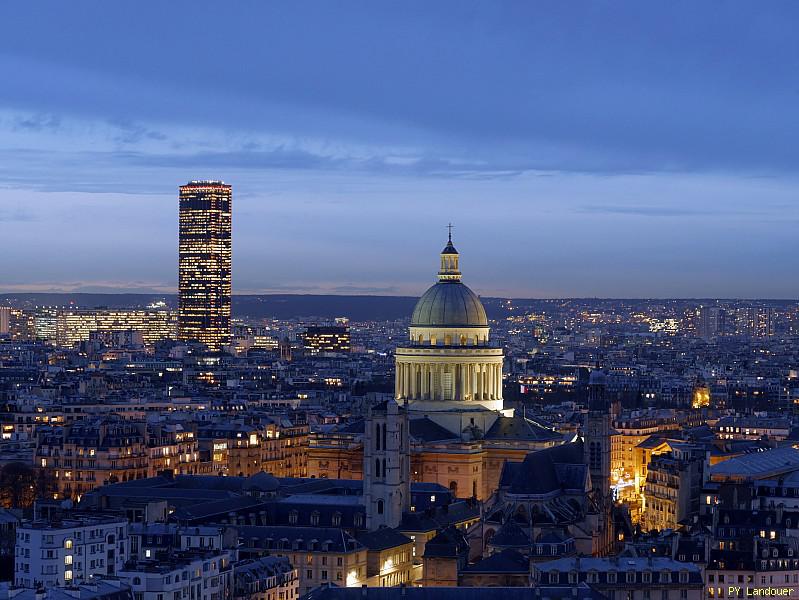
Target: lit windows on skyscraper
{"points": [[205, 263]]}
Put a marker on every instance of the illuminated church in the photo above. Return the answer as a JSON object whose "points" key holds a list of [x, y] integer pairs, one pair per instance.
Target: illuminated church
{"points": [[449, 371], [449, 384]]}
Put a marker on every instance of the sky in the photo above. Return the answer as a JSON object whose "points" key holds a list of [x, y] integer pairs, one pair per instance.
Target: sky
{"points": [[592, 149]]}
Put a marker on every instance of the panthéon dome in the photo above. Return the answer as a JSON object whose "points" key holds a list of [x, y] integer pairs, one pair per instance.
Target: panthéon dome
{"points": [[449, 303]]}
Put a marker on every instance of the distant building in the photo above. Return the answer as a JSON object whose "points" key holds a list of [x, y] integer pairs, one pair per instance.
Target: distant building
{"points": [[5, 321], [327, 339], [204, 273], [112, 325], [711, 322]]}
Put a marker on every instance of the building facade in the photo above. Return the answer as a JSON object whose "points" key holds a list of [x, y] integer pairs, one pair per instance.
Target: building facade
{"points": [[69, 552], [204, 273]]}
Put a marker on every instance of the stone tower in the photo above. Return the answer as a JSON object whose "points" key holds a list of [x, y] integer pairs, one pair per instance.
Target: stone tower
{"points": [[386, 465], [596, 447], [597, 434]]}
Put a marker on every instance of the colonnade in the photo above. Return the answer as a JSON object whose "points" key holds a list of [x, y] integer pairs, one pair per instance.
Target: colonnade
{"points": [[446, 381]]}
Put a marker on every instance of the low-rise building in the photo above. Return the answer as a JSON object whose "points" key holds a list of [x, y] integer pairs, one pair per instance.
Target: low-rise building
{"points": [[69, 551], [267, 578]]}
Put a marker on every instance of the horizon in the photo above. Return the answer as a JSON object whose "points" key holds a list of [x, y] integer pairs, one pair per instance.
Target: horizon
{"points": [[7, 294]]}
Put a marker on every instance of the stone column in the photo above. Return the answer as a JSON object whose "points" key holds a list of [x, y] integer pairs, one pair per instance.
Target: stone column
{"points": [[499, 381]]}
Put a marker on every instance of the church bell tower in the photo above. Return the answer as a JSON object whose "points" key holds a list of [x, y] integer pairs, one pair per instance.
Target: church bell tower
{"points": [[597, 434], [386, 465]]}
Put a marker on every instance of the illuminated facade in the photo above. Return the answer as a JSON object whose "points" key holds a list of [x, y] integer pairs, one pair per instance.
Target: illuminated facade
{"points": [[205, 263], [327, 340], [73, 326], [5, 321], [449, 370]]}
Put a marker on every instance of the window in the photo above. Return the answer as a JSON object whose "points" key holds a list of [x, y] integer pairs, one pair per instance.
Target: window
{"points": [[68, 544], [68, 575], [315, 518], [379, 507], [573, 577]]}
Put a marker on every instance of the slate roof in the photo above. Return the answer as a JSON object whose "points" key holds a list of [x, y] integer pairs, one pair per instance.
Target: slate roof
{"points": [[758, 465], [519, 427], [432, 520], [426, 430], [546, 471], [507, 561], [581, 592], [274, 537], [383, 538], [206, 510], [510, 535], [449, 543]]}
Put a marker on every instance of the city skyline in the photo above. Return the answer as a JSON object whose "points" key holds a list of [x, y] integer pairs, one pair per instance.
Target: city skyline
{"points": [[676, 179]]}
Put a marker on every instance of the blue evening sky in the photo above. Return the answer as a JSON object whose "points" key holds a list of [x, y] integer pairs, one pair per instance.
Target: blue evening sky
{"points": [[617, 149]]}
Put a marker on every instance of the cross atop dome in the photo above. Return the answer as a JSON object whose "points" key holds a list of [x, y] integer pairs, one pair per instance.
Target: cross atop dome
{"points": [[449, 248], [449, 260]]}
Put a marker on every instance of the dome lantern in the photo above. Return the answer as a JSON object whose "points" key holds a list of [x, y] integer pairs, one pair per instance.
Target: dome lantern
{"points": [[449, 261]]}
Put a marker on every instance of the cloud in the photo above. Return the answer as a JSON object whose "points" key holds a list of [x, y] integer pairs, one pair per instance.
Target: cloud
{"points": [[37, 122], [20, 215], [91, 287]]}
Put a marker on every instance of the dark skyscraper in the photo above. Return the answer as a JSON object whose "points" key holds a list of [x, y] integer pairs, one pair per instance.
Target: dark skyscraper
{"points": [[204, 263]]}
